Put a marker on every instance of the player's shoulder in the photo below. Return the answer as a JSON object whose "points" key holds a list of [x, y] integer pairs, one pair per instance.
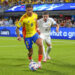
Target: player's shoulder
{"points": [[23, 16], [52, 21], [41, 19], [34, 13], [50, 18]]}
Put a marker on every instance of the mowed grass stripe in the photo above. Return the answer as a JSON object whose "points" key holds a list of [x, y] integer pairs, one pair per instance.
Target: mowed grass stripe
{"points": [[14, 60]]}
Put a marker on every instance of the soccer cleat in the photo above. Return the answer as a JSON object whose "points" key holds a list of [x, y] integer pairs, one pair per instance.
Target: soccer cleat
{"points": [[44, 60], [39, 65], [48, 58]]}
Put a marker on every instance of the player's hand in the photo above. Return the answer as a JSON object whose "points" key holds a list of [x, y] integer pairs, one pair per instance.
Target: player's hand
{"points": [[57, 30], [38, 31], [19, 38]]}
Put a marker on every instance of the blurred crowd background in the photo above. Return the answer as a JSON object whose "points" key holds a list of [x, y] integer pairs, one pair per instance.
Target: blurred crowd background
{"points": [[63, 21], [18, 2]]}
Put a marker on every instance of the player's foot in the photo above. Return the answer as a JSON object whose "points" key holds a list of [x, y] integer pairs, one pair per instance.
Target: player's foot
{"points": [[48, 58], [31, 61], [44, 60], [39, 65]]}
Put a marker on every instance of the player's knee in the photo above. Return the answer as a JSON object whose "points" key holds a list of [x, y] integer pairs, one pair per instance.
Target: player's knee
{"points": [[40, 44], [50, 46]]}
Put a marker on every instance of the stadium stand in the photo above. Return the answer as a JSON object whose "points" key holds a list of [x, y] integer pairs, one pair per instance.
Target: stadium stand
{"points": [[63, 22], [66, 20], [12, 2]]}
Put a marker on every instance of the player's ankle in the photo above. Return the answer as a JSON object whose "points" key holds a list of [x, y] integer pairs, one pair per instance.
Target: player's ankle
{"points": [[44, 60], [30, 59]]}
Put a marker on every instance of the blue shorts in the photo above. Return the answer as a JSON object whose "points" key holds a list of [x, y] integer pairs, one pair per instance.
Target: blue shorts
{"points": [[29, 41]]}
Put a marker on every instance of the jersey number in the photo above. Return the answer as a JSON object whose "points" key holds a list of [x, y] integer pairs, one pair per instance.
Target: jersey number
{"points": [[31, 24]]}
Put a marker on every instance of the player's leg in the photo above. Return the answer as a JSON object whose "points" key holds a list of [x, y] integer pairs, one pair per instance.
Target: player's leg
{"points": [[28, 43], [48, 51], [30, 54], [44, 54], [49, 46], [38, 41], [40, 51]]}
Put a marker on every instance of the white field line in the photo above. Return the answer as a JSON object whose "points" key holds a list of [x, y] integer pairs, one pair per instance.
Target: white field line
{"points": [[16, 39], [24, 45], [52, 40], [64, 41]]}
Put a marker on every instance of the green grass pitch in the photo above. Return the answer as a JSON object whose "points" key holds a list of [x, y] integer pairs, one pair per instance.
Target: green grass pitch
{"points": [[14, 60]]}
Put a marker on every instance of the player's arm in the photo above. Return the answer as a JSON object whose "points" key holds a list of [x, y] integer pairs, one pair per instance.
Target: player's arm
{"points": [[37, 28], [57, 27], [17, 30], [37, 25], [55, 24], [18, 34]]}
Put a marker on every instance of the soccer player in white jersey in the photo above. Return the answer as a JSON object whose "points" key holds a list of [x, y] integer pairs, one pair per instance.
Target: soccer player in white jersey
{"points": [[45, 24]]}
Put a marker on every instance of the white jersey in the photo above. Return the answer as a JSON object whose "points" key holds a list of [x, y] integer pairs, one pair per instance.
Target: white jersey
{"points": [[45, 26]]}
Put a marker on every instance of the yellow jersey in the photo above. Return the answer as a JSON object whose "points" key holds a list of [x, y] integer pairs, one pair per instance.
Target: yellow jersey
{"points": [[28, 24], [16, 23], [67, 0]]}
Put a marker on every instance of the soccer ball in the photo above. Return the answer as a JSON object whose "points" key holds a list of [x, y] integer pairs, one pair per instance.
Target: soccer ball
{"points": [[33, 66]]}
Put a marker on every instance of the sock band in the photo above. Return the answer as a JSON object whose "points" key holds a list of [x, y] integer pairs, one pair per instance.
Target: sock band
{"points": [[30, 58], [40, 58]]}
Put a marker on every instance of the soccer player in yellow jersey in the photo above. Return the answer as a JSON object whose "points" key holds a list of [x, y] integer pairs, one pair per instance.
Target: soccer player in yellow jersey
{"points": [[28, 22]]}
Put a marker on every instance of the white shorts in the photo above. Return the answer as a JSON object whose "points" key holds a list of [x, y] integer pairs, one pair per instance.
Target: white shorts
{"points": [[47, 38]]}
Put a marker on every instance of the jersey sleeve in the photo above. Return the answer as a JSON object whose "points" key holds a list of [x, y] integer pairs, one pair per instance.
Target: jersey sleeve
{"points": [[53, 22], [36, 16], [20, 23]]}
